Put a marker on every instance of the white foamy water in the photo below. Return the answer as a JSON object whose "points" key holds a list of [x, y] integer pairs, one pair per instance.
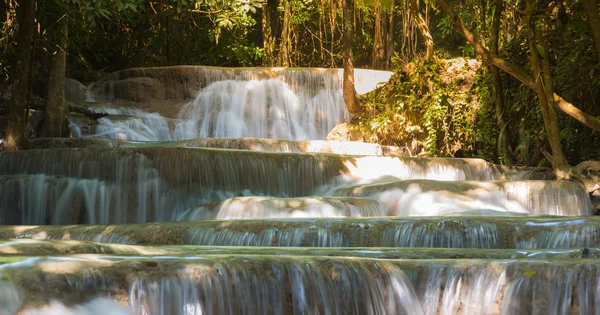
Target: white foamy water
{"points": [[99, 306], [294, 105], [269, 208], [430, 197], [415, 202]]}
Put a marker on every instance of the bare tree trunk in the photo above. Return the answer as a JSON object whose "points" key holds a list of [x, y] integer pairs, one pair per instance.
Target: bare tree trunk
{"points": [[56, 116], [285, 44], [332, 27], [423, 28], [516, 72], [389, 47], [378, 53], [16, 131], [268, 33], [505, 136], [350, 96], [593, 17], [543, 83]]}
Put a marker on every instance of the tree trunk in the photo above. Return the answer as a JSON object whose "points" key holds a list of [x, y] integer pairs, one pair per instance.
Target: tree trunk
{"points": [[350, 96], [285, 44], [56, 115], [16, 131], [514, 71], [378, 48], [505, 137], [543, 88], [389, 47], [423, 28], [593, 17], [268, 33], [332, 27]]}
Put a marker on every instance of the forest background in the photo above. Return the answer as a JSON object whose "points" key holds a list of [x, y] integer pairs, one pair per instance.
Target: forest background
{"points": [[512, 81]]}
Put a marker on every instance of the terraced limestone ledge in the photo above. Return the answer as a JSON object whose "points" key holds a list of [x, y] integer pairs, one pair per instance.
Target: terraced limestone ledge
{"points": [[222, 284], [548, 197], [198, 165], [22, 248], [450, 232], [254, 144]]}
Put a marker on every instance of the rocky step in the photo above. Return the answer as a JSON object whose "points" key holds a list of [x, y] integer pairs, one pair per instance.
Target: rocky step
{"points": [[274, 208], [184, 82], [41, 199], [44, 199], [195, 165], [35, 247], [449, 232], [304, 284], [253, 144], [429, 197]]}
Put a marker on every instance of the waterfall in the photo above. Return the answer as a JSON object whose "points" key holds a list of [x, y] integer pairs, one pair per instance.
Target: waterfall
{"points": [[301, 285], [427, 197], [211, 191], [155, 183], [289, 104]]}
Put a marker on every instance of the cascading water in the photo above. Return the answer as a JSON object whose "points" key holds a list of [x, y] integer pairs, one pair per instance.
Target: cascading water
{"points": [[303, 285], [214, 223], [297, 104]]}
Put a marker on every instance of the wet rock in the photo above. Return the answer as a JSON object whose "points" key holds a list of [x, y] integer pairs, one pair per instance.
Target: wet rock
{"points": [[34, 124], [10, 298], [53, 143], [139, 89], [5, 94], [269, 207], [75, 91], [588, 174]]}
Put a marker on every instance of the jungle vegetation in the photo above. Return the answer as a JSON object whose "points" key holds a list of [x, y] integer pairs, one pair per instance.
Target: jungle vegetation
{"points": [[533, 99]]}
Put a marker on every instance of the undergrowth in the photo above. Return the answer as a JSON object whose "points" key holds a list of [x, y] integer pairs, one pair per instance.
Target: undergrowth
{"points": [[430, 107]]}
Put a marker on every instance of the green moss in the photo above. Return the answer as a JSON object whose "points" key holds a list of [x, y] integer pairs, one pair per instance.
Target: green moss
{"points": [[430, 107]]}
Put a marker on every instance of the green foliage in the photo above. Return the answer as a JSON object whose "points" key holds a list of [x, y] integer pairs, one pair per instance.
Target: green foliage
{"points": [[428, 105], [438, 112], [486, 132]]}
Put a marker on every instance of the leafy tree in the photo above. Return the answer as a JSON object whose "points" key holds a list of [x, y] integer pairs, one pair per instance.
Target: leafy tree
{"points": [[541, 82]]}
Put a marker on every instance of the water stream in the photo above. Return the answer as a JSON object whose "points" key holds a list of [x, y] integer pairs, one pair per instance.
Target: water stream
{"points": [[213, 191]]}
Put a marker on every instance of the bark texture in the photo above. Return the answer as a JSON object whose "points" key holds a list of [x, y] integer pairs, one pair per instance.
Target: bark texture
{"points": [[285, 45], [568, 108], [268, 34], [377, 58], [543, 89], [16, 131], [56, 115], [423, 28], [592, 13], [350, 96], [389, 46], [505, 136]]}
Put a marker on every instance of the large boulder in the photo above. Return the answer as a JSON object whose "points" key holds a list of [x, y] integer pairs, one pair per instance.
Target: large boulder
{"points": [[588, 173], [75, 91], [141, 89], [161, 83], [343, 132]]}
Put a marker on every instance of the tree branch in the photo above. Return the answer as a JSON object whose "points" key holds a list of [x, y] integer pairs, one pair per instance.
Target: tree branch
{"points": [[568, 108]]}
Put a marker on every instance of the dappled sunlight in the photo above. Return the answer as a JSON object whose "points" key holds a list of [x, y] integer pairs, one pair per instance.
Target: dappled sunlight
{"points": [[70, 266], [270, 207], [238, 206], [410, 286], [23, 229], [292, 104], [98, 306], [428, 197]]}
